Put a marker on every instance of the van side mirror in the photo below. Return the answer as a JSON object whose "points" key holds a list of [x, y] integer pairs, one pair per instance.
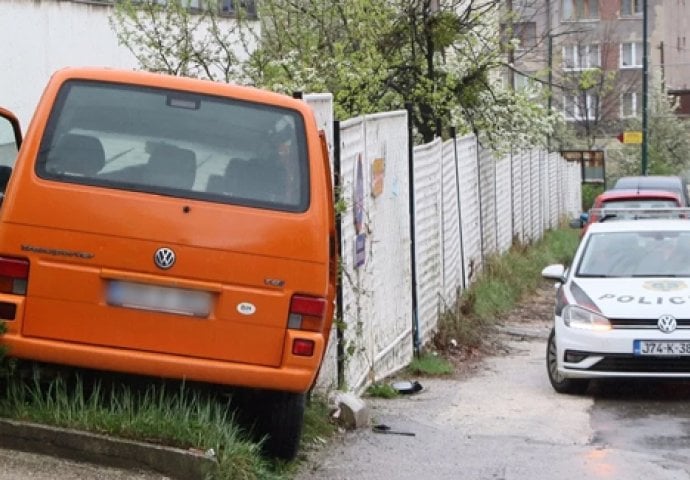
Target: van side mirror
{"points": [[10, 138]]}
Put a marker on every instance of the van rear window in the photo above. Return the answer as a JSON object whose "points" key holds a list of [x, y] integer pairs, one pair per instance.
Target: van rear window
{"points": [[179, 144]]}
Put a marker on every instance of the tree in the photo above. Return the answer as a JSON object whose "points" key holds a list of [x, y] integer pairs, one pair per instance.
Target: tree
{"points": [[373, 55], [669, 139], [590, 86], [168, 37]]}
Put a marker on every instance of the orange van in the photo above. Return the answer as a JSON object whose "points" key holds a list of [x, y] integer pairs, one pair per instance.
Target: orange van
{"points": [[170, 227]]}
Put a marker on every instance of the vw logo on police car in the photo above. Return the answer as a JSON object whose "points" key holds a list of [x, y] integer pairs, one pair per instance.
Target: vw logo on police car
{"points": [[164, 258], [667, 323]]}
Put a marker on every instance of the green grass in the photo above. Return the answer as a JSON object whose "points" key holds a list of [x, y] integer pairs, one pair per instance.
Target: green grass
{"points": [[505, 280], [317, 426], [430, 365], [381, 390], [184, 416]]}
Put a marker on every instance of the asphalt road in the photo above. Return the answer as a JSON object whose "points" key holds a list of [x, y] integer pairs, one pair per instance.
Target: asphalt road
{"points": [[504, 422]]}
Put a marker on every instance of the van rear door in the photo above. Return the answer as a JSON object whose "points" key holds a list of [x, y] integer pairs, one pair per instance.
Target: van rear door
{"points": [[169, 221]]}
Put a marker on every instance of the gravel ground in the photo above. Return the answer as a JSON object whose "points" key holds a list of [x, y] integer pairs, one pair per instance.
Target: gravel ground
{"points": [[16, 465]]}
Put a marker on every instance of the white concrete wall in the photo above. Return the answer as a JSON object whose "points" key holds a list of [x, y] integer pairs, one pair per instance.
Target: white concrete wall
{"points": [[460, 218], [38, 37]]}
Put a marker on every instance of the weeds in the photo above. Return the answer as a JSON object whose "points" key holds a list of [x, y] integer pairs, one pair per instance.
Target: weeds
{"points": [[504, 281], [381, 390], [181, 416], [430, 365]]}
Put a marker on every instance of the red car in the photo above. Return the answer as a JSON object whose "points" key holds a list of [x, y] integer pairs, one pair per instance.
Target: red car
{"points": [[631, 199]]}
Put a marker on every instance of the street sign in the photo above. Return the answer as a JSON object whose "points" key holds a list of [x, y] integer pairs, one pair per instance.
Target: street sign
{"points": [[633, 137]]}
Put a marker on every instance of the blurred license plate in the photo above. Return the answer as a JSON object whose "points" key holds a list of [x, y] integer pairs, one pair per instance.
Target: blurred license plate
{"points": [[161, 299], [660, 348]]}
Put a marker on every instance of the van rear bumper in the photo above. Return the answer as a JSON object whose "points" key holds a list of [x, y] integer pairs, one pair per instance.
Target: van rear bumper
{"points": [[297, 374]]}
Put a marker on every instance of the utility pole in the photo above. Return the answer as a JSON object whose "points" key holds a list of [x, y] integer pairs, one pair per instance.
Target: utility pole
{"points": [[663, 68], [645, 86]]}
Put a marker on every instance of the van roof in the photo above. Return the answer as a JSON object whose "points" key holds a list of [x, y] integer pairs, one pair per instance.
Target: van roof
{"points": [[195, 85]]}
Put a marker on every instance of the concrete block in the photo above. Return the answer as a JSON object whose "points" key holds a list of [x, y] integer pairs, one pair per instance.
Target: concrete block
{"points": [[352, 411]]}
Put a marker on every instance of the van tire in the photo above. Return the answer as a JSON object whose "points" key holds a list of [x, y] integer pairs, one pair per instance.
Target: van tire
{"points": [[280, 419]]}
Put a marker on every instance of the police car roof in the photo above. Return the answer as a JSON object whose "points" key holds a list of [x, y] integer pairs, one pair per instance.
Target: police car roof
{"points": [[641, 225]]}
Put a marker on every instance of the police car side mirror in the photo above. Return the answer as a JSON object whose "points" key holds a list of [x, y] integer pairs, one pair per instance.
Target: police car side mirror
{"points": [[554, 272]]}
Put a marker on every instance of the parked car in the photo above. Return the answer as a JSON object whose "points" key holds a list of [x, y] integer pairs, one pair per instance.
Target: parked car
{"points": [[614, 200], [172, 227], [656, 182], [621, 307]]}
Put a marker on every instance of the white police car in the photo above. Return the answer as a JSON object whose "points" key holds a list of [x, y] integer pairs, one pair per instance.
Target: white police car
{"points": [[623, 306]]}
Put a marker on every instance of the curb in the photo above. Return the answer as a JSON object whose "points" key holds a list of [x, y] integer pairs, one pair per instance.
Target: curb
{"points": [[103, 450]]}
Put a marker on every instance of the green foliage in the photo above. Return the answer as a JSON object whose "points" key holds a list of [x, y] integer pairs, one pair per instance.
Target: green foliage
{"points": [[381, 390], [165, 37], [669, 140], [317, 425], [504, 282], [373, 55], [589, 193], [429, 364], [184, 417]]}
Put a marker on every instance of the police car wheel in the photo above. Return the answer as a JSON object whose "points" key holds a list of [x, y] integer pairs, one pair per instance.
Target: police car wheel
{"points": [[558, 381]]}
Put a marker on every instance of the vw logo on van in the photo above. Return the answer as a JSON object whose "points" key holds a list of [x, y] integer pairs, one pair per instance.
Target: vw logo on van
{"points": [[667, 323], [164, 258]]}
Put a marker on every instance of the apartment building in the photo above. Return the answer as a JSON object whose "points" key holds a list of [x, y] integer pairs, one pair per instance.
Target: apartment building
{"points": [[589, 55]]}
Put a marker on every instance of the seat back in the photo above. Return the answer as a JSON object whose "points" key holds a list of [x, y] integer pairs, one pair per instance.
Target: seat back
{"points": [[76, 154], [255, 179], [171, 167]]}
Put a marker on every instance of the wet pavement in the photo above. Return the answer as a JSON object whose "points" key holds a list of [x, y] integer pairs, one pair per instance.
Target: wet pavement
{"points": [[647, 416], [505, 422]]}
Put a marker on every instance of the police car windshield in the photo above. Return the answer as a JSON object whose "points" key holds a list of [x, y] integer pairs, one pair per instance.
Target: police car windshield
{"points": [[636, 254]]}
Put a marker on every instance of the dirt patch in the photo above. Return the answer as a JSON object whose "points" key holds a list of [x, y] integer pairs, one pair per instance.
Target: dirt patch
{"points": [[535, 310]]}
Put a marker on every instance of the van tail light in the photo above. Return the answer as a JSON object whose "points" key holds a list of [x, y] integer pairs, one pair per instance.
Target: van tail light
{"points": [[14, 274], [307, 313], [302, 347]]}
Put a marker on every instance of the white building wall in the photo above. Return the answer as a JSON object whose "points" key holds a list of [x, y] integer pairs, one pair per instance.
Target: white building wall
{"points": [[39, 37]]}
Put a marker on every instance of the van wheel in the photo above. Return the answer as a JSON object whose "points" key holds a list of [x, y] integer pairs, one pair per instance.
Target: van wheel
{"points": [[276, 418], [558, 381]]}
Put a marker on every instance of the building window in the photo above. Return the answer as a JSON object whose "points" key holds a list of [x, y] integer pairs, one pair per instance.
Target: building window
{"points": [[581, 107], [526, 32], [631, 55], [630, 105], [526, 80], [580, 10], [228, 7], [631, 7], [581, 57]]}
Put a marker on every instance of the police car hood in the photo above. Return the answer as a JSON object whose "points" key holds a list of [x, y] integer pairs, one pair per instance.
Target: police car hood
{"points": [[637, 297]]}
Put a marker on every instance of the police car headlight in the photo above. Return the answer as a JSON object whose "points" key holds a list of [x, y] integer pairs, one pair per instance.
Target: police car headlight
{"points": [[578, 317]]}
